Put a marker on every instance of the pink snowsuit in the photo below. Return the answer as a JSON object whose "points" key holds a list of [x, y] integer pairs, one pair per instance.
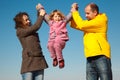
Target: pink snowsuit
{"points": [[57, 39], [57, 36]]}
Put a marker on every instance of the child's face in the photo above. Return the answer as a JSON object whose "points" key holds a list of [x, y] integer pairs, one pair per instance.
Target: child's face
{"points": [[56, 17]]}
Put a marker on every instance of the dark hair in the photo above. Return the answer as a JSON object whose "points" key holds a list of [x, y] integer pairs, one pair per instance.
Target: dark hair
{"points": [[94, 7], [19, 19]]}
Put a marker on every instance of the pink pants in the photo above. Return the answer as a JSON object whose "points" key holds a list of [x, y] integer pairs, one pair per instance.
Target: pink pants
{"points": [[55, 48]]}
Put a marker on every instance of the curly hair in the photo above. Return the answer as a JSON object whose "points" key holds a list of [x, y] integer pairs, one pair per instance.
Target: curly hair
{"points": [[58, 12], [19, 19]]}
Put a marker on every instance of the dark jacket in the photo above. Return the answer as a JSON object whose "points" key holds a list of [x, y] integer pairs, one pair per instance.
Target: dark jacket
{"points": [[32, 56]]}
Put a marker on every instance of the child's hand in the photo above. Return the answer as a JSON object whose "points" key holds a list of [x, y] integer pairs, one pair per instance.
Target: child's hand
{"points": [[39, 6], [75, 6]]}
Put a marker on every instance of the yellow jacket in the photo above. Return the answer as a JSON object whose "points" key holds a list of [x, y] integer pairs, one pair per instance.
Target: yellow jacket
{"points": [[95, 34]]}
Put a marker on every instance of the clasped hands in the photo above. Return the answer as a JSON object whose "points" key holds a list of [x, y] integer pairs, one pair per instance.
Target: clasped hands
{"points": [[40, 8]]}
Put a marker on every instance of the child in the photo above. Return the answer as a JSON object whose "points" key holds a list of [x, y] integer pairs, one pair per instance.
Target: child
{"points": [[57, 35]]}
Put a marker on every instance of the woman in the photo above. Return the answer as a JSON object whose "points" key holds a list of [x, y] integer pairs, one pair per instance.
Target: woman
{"points": [[33, 61]]}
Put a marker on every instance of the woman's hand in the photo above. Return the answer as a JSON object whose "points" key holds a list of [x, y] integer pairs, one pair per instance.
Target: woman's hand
{"points": [[42, 12]]}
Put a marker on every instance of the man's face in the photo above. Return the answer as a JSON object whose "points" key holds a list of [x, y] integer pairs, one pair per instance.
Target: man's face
{"points": [[26, 21], [89, 13]]}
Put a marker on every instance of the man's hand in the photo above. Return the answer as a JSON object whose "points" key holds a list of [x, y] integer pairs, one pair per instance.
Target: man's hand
{"points": [[74, 7]]}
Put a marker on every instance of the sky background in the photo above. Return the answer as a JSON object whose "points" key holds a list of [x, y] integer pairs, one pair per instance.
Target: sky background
{"points": [[75, 61]]}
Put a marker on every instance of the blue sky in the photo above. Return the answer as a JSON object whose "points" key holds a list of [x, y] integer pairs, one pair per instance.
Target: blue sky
{"points": [[75, 62]]}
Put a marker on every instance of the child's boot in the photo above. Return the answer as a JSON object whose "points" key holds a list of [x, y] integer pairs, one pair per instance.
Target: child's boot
{"points": [[55, 62], [61, 64]]}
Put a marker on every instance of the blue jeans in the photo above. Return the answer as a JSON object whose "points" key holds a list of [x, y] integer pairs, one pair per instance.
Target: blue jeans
{"points": [[35, 75], [98, 67]]}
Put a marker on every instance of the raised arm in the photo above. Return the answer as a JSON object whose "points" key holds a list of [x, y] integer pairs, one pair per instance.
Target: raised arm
{"points": [[68, 17], [46, 17], [35, 27]]}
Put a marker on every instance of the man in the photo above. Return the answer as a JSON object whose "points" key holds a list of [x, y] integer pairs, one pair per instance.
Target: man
{"points": [[96, 46], [33, 61]]}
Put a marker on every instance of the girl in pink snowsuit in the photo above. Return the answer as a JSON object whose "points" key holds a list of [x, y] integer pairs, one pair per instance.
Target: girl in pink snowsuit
{"points": [[58, 35]]}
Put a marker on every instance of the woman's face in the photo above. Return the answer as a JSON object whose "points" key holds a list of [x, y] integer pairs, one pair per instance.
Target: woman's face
{"points": [[26, 21]]}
